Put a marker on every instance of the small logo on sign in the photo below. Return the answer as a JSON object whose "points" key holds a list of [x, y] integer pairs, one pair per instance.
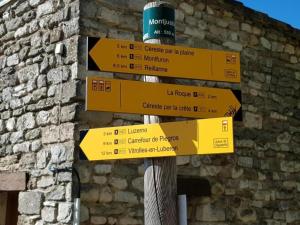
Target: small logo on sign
{"points": [[224, 126], [230, 73], [100, 85], [230, 59], [220, 143], [107, 86]]}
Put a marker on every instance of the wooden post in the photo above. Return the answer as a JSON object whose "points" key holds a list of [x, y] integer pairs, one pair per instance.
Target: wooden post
{"points": [[160, 179], [3, 207]]}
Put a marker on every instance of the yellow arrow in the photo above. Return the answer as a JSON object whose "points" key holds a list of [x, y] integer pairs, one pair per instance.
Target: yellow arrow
{"points": [[159, 99], [165, 60], [208, 136]]}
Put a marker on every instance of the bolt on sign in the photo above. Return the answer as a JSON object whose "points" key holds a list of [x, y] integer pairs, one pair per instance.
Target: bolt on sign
{"points": [[162, 60], [127, 96], [206, 136]]}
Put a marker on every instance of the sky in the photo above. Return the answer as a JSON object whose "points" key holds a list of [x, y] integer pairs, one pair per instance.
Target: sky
{"points": [[287, 11]]}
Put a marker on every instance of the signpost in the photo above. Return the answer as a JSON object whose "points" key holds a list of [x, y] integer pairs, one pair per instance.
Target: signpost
{"points": [[163, 60], [206, 136], [160, 177], [127, 96], [156, 141]]}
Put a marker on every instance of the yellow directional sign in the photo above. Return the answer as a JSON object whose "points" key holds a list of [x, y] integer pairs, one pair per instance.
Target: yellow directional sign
{"points": [[163, 60], [159, 99], [207, 136]]}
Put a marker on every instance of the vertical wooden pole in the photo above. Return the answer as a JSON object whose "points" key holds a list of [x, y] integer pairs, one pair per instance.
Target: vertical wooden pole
{"points": [[160, 179], [3, 207]]}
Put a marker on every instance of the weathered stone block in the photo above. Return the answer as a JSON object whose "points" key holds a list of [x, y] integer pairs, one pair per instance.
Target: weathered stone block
{"points": [[253, 120], [187, 8], [109, 16], [84, 213], [61, 152], [14, 24], [85, 172], [284, 138], [100, 180], [28, 73], [217, 189], [23, 147], [136, 5], [10, 124], [57, 193], [64, 212], [138, 183], [2, 29], [25, 122], [71, 27], [233, 45], [287, 166], [30, 203], [2, 126], [49, 214], [15, 103], [12, 60], [130, 23], [245, 162], [57, 75], [98, 220], [35, 3], [45, 181], [43, 118], [45, 9], [16, 137], [125, 196], [33, 134], [36, 39], [89, 194], [22, 8], [247, 215], [68, 113], [55, 35], [265, 43], [105, 195], [130, 220], [182, 160], [103, 169], [195, 32], [118, 183], [52, 134], [42, 159], [290, 49], [27, 17], [292, 216], [69, 91], [210, 213], [246, 27]]}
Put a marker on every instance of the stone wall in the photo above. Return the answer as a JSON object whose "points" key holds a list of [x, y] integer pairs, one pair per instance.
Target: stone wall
{"points": [[260, 182], [37, 105], [42, 112]]}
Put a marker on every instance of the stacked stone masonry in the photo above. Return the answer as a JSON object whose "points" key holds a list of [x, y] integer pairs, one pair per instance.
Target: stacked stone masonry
{"points": [[42, 112], [37, 106]]}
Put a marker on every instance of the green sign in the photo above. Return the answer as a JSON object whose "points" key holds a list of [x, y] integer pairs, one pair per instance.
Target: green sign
{"points": [[159, 22]]}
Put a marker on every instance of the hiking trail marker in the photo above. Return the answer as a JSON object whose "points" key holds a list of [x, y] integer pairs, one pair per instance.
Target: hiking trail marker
{"points": [[112, 55], [206, 136], [127, 96]]}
